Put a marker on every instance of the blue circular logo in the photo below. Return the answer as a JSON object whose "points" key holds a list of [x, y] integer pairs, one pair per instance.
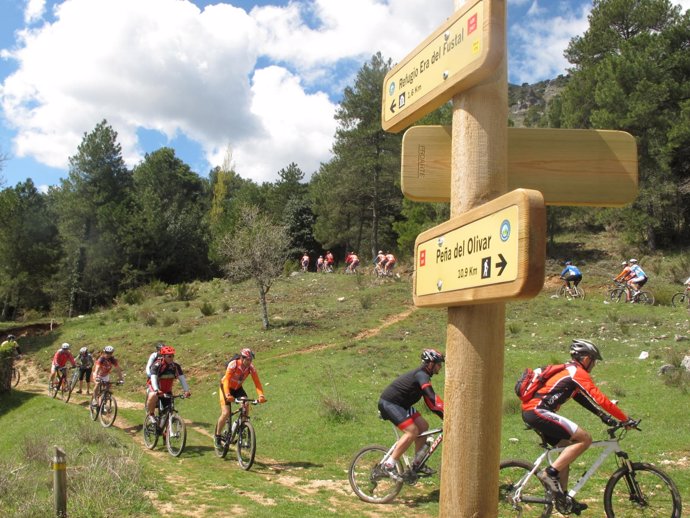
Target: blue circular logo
{"points": [[391, 88], [505, 230]]}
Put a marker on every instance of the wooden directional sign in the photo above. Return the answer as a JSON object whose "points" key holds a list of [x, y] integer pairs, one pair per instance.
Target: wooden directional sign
{"points": [[569, 167], [459, 54], [493, 252]]}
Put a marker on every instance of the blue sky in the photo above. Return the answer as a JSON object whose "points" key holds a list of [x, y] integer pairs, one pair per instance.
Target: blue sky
{"points": [[253, 84]]}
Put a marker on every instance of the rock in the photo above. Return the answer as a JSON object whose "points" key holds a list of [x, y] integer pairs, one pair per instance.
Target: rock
{"points": [[686, 363], [643, 355], [680, 338], [666, 369]]}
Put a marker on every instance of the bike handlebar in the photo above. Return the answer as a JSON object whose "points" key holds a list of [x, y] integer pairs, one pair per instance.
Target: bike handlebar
{"points": [[624, 425], [172, 396]]}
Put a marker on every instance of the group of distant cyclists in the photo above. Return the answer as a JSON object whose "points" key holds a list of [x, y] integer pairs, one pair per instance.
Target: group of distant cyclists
{"points": [[632, 274], [383, 262]]}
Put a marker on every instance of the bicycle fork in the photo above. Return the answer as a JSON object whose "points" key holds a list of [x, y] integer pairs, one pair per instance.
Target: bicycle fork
{"points": [[630, 480]]}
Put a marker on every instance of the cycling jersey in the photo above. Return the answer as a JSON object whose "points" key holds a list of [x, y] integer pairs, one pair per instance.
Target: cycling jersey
{"points": [[329, 258], [573, 382], [637, 271], [164, 374], [236, 373], [104, 365], [624, 275], [571, 270], [85, 361], [61, 357], [390, 259], [410, 387], [380, 259]]}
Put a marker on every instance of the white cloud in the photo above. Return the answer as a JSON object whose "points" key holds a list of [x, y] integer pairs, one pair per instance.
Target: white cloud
{"points": [[34, 10]]}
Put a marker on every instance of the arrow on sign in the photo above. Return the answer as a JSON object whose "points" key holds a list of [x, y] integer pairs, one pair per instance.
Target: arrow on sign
{"points": [[502, 264], [393, 106]]}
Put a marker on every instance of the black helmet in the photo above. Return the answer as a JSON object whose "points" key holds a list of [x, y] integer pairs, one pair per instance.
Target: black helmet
{"points": [[11, 337], [432, 356], [581, 348]]}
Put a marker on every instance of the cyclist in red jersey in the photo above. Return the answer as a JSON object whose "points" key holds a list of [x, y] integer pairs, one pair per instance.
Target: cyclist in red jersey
{"points": [[105, 363], [390, 262], [395, 405], [164, 371], [540, 413], [60, 359], [238, 369]]}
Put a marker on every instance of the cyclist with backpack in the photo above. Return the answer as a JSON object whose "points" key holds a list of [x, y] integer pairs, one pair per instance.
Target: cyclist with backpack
{"points": [[85, 360], [164, 371], [395, 405], [238, 369], [540, 413], [152, 358]]}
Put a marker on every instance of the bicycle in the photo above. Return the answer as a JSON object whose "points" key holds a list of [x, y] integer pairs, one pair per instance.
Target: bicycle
{"points": [[168, 424], [634, 489], [72, 383], [16, 376], [106, 405], [681, 299], [371, 483], [622, 288], [60, 385], [241, 433], [572, 293]]}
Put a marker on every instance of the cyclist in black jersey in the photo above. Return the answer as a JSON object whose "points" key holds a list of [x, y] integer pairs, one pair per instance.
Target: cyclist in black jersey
{"points": [[395, 404]]}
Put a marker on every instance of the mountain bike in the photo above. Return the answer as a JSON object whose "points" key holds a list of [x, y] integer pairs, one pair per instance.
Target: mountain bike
{"points": [[166, 423], [71, 383], [622, 291], [16, 376], [572, 293], [60, 386], [239, 432], [681, 299], [105, 406], [634, 489], [373, 484]]}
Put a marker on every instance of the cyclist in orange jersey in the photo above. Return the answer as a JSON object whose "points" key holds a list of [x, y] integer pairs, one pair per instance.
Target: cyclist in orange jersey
{"points": [[625, 274], [238, 369]]}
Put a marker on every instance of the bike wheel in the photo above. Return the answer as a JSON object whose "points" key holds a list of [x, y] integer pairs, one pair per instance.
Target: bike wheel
{"points": [[534, 499], [579, 293], [108, 410], [176, 435], [680, 300], [646, 491], [645, 297], [246, 445], [562, 292], [367, 478], [94, 408], [15, 376], [222, 451], [71, 385], [617, 295], [150, 433]]}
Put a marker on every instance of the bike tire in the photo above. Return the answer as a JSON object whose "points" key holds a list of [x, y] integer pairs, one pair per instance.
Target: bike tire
{"points": [[108, 410], [535, 498], [246, 445], [94, 408], [175, 435], [16, 376], [225, 441], [680, 300], [647, 491], [150, 433], [617, 294], [72, 384], [645, 297], [367, 479], [55, 388], [580, 293], [561, 292]]}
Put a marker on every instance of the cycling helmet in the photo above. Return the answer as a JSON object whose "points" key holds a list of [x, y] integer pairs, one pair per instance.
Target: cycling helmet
{"points": [[159, 346], [166, 349], [380, 251], [632, 261], [64, 346], [581, 348], [108, 349], [247, 353], [568, 263], [11, 337], [83, 350], [432, 356], [624, 263]]}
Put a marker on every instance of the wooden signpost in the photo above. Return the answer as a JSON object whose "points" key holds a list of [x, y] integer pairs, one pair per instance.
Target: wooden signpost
{"points": [[492, 248], [563, 164]]}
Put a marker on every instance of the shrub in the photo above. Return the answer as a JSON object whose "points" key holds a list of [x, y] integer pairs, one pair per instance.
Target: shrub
{"points": [[366, 301], [207, 309], [148, 317], [185, 291], [169, 321]]}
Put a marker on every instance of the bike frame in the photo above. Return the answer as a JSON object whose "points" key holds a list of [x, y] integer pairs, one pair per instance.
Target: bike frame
{"points": [[405, 458]]}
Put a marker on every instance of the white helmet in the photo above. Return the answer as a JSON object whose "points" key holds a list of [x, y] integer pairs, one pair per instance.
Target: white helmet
{"points": [[624, 263], [64, 346], [632, 261], [83, 350], [108, 349]]}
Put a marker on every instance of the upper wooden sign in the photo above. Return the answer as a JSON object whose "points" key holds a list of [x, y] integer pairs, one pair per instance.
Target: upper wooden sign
{"points": [[569, 167], [459, 54]]}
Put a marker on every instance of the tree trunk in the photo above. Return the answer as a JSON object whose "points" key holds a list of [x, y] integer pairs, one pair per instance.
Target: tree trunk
{"points": [[264, 305]]}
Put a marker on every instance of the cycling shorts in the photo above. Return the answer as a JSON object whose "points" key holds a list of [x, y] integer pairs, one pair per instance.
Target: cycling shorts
{"points": [[55, 368], [236, 393], [85, 373], [554, 427], [573, 278], [399, 416], [640, 281]]}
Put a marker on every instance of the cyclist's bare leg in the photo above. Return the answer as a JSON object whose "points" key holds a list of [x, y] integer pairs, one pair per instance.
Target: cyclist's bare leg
{"points": [[578, 444], [151, 402], [411, 435], [224, 414]]}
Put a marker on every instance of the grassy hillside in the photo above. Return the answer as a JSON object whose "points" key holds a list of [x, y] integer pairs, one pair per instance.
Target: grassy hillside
{"points": [[336, 342]]}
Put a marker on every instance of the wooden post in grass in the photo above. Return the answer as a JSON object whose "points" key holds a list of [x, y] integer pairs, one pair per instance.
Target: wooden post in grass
{"points": [[59, 467]]}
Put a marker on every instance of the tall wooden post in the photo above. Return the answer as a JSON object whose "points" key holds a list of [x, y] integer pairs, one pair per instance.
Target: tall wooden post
{"points": [[60, 482], [475, 333]]}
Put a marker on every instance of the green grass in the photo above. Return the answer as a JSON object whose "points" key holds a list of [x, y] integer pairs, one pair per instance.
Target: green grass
{"points": [[323, 371]]}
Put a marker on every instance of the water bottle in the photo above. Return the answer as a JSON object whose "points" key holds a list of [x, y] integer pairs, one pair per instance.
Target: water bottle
{"points": [[422, 453]]}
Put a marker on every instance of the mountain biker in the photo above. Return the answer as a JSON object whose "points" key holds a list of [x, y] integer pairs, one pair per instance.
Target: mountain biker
{"points": [[85, 366], [571, 273], [638, 277], [625, 273], [105, 363], [60, 359], [152, 358], [11, 341], [329, 260], [352, 262], [395, 405], [540, 413], [390, 262], [319, 264], [239, 367], [380, 261], [304, 262], [164, 371]]}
